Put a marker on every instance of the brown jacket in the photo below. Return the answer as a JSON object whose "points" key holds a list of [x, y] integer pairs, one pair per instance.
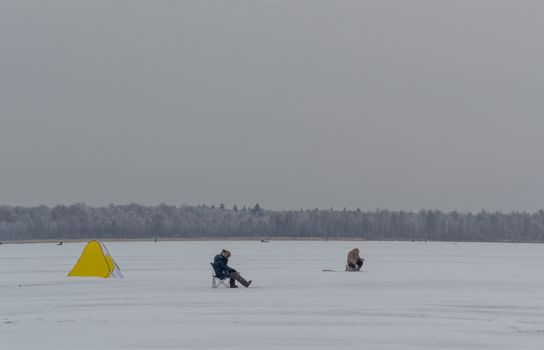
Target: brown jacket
{"points": [[353, 256]]}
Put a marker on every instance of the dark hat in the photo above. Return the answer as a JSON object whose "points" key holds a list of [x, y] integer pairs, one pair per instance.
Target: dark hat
{"points": [[225, 253]]}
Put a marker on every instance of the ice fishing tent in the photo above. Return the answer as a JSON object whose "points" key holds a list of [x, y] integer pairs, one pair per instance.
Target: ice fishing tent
{"points": [[96, 261]]}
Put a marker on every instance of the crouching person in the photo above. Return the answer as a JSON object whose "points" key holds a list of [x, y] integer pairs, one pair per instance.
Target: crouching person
{"points": [[223, 270], [355, 262]]}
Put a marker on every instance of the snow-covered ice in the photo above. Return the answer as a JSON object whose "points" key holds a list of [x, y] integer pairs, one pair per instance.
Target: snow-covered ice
{"points": [[409, 296]]}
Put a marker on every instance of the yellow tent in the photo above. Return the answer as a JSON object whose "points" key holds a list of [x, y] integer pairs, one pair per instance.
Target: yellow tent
{"points": [[96, 261]]}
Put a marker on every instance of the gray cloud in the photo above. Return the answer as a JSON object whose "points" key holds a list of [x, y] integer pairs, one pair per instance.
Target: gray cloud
{"points": [[390, 104]]}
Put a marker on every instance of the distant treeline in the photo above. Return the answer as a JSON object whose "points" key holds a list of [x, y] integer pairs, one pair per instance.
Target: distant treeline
{"points": [[80, 221]]}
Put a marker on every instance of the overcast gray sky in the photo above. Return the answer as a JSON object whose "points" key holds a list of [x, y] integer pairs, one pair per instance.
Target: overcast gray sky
{"points": [[292, 104]]}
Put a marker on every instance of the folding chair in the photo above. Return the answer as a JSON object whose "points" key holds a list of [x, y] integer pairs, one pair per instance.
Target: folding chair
{"points": [[218, 282]]}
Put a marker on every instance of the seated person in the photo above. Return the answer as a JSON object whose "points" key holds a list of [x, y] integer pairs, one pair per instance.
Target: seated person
{"points": [[355, 262], [223, 270]]}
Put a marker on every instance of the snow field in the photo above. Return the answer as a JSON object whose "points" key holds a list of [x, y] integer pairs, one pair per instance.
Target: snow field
{"points": [[408, 296]]}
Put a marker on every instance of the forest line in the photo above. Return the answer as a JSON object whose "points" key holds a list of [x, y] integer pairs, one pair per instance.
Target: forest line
{"points": [[133, 221]]}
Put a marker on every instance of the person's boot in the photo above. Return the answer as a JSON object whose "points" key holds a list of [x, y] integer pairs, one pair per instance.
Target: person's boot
{"points": [[233, 283], [242, 281]]}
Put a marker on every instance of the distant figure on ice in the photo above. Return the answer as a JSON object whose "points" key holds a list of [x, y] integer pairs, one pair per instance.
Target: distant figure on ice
{"points": [[355, 262], [223, 270]]}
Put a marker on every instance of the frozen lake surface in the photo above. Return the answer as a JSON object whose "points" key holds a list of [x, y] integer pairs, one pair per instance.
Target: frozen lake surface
{"points": [[409, 296]]}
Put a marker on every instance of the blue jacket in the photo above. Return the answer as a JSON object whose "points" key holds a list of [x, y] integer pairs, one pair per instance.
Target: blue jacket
{"points": [[221, 268]]}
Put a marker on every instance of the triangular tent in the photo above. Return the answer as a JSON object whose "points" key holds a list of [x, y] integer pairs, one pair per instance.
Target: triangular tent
{"points": [[96, 261]]}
